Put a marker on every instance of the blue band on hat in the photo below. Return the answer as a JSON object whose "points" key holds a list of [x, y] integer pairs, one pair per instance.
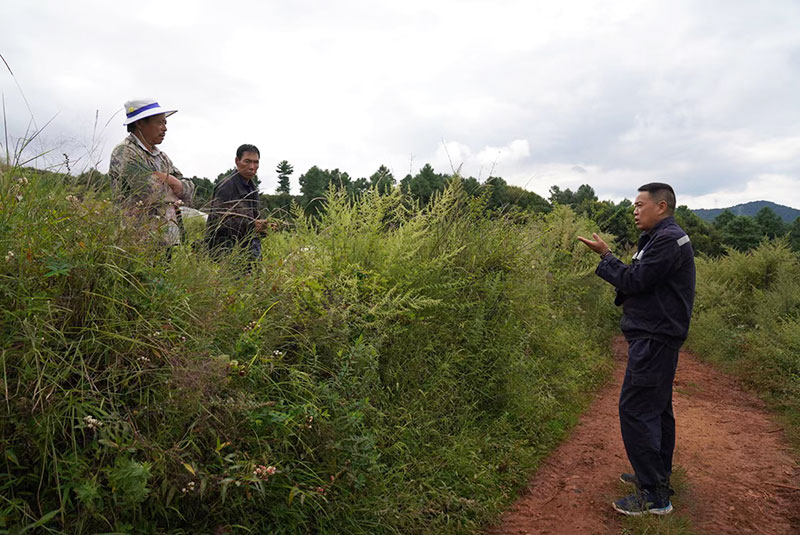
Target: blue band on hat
{"points": [[149, 106]]}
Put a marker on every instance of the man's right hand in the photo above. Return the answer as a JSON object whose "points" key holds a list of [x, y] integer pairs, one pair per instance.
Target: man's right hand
{"points": [[597, 245], [264, 225]]}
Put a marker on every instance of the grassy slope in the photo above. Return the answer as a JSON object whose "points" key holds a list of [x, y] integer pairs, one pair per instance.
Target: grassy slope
{"points": [[400, 370]]}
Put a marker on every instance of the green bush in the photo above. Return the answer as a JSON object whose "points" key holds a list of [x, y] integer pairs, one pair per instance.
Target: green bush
{"points": [[747, 318], [383, 369]]}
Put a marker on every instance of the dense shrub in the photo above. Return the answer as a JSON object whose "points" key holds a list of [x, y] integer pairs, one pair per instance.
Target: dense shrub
{"points": [[382, 370], [747, 318]]}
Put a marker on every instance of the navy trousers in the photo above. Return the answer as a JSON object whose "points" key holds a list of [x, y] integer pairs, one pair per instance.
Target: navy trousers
{"points": [[645, 411]]}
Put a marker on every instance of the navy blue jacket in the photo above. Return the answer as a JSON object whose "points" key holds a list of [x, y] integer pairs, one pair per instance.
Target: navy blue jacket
{"points": [[656, 290], [234, 208]]}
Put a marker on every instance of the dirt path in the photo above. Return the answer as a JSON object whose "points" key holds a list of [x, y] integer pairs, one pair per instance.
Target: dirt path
{"points": [[741, 476]]}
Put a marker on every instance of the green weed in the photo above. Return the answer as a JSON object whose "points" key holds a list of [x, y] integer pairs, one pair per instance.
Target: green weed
{"points": [[383, 369], [747, 320]]}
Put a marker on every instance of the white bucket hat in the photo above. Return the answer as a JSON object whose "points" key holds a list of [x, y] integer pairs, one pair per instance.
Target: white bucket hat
{"points": [[141, 108]]}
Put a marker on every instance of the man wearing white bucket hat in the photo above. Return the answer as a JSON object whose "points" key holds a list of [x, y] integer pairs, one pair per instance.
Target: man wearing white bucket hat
{"points": [[144, 178]]}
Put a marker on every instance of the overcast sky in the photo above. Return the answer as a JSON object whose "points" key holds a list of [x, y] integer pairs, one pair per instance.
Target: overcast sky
{"points": [[701, 94]]}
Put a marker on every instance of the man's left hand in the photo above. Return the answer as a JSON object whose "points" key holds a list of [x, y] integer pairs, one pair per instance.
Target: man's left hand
{"points": [[174, 183]]}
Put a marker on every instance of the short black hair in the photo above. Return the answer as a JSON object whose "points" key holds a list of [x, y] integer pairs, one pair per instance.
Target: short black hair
{"points": [[661, 192], [246, 148]]}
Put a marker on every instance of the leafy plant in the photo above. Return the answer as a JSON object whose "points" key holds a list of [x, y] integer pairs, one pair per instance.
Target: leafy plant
{"points": [[385, 368]]}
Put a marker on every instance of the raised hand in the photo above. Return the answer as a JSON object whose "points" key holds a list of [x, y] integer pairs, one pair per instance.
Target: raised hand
{"points": [[597, 244]]}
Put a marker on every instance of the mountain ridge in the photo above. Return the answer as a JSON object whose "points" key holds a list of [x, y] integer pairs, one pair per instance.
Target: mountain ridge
{"points": [[787, 213]]}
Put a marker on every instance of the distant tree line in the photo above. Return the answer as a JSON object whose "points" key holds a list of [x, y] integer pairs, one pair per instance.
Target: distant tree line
{"points": [[728, 230], [744, 233]]}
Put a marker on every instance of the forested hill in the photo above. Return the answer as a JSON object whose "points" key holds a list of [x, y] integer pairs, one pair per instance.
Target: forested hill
{"points": [[787, 213]]}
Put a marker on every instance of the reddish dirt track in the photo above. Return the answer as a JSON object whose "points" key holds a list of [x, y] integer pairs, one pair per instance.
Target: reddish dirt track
{"points": [[741, 477]]}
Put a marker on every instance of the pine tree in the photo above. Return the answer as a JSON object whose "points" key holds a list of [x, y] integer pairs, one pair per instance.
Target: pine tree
{"points": [[382, 179], [284, 170]]}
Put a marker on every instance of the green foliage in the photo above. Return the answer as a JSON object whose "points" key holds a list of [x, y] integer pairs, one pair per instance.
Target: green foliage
{"points": [[382, 180], [504, 198], [747, 317], [616, 219], [771, 224], [724, 218], [382, 370], [91, 178], [745, 233], [742, 233], [314, 183], [204, 190], [584, 193], [424, 185], [706, 239], [279, 207], [128, 481], [284, 171], [224, 175], [794, 235]]}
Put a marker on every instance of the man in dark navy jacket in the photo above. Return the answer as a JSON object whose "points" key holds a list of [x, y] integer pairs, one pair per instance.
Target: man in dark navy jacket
{"points": [[233, 218], [656, 292]]}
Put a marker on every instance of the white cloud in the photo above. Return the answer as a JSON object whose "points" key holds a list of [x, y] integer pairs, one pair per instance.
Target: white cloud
{"points": [[767, 151], [781, 189], [701, 95], [451, 156], [456, 156], [517, 150]]}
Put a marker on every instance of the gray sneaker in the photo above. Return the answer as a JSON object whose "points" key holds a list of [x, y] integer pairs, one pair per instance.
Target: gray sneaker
{"points": [[644, 502]]}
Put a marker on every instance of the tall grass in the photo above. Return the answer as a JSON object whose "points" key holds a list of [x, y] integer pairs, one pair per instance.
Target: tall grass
{"points": [[747, 318], [384, 369]]}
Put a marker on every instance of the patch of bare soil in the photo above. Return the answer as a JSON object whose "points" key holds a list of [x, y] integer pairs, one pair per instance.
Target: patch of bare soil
{"points": [[741, 475]]}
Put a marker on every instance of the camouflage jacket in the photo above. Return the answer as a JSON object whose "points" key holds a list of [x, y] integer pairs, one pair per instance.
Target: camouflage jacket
{"points": [[131, 171]]}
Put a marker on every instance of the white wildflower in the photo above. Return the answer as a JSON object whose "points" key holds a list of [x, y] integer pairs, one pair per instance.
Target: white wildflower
{"points": [[10, 256], [92, 422], [307, 424], [263, 472]]}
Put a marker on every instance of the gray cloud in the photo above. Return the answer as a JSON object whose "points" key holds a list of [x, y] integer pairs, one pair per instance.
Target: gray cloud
{"points": [[610, 94]]}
